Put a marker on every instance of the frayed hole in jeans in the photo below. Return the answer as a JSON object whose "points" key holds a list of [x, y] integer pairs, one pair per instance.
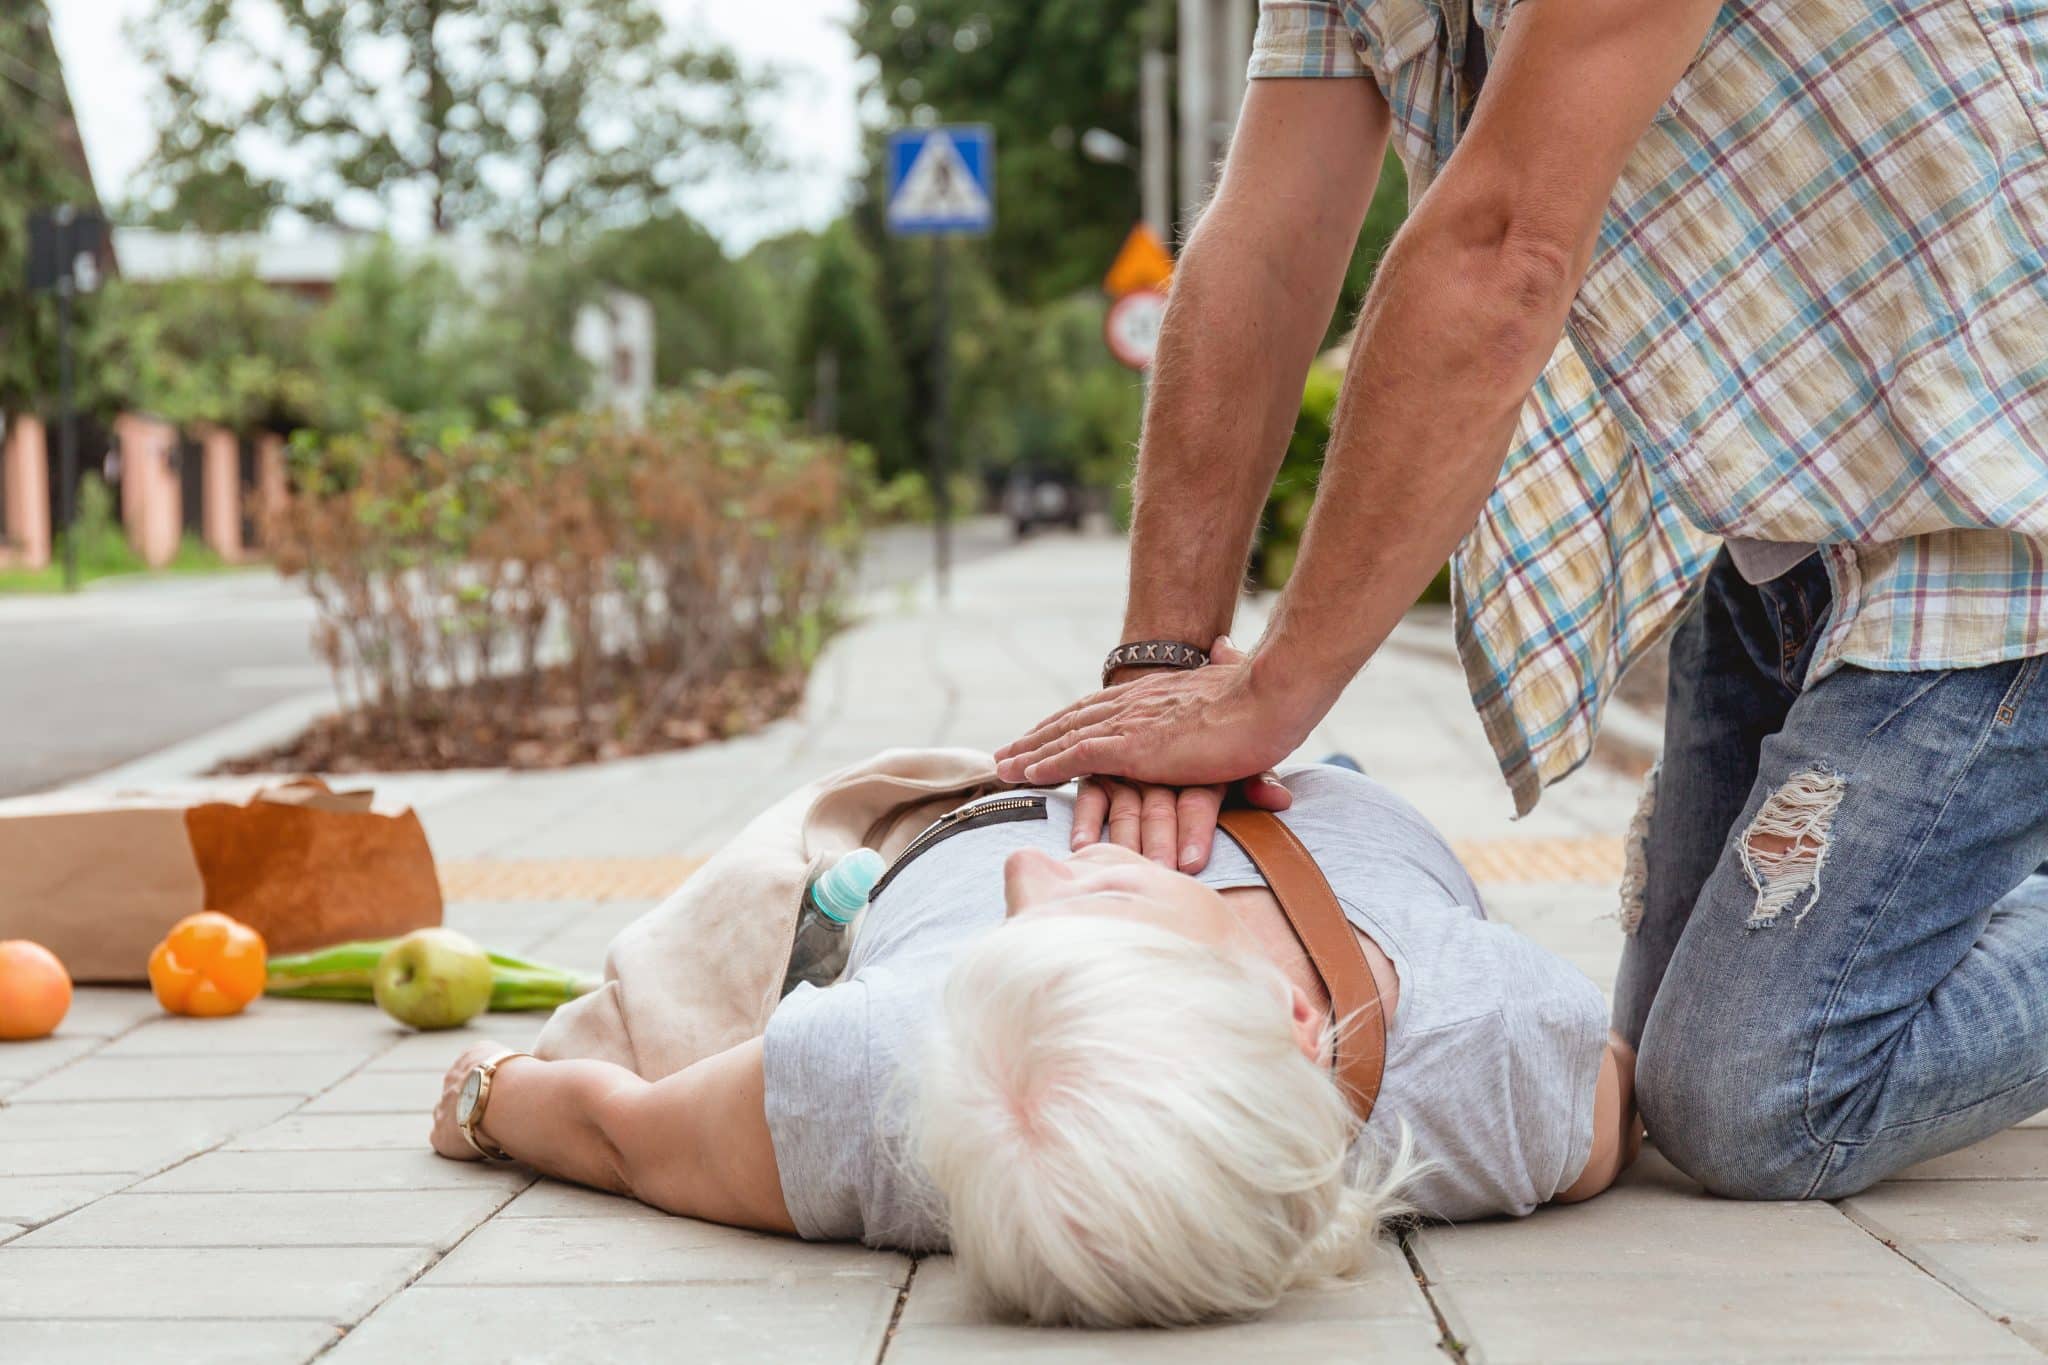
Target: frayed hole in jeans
{"points": [[1786, 845], [1635, 854]]}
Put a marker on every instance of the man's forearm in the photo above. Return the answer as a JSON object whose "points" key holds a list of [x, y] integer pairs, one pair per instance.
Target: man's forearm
{"points": [[1224, 394], [1456, 330], [1252, 297]]}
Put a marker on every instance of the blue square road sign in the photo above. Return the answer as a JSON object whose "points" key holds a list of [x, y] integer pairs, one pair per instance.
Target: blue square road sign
{"points": [[942, 180]]}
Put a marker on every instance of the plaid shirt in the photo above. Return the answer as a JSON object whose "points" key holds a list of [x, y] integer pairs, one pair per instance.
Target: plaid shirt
{"points": [[1816, 312]]}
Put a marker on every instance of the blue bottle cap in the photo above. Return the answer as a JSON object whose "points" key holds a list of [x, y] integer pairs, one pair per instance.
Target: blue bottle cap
{"points": [[843, 888]]}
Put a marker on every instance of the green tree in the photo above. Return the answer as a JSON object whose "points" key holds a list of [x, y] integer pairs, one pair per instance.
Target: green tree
{"points": [[1382, 220], [530, 119], [404, 334], [230, 350], [1041, 75], [845, 372], [711, 313], [40, 166]]}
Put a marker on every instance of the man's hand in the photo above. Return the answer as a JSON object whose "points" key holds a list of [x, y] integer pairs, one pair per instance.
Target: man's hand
{"points": [[447, 1136], [1200, 730]]}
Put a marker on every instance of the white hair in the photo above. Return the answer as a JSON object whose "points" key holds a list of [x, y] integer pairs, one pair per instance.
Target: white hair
{"points": [[1125, 1132]]}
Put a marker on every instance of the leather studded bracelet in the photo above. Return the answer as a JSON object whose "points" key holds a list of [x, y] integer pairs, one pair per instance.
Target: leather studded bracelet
{"points": [[1153, 654]]}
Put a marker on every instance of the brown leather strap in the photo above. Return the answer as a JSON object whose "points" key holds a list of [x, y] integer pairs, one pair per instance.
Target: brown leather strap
{"points": [[1311, 907]]}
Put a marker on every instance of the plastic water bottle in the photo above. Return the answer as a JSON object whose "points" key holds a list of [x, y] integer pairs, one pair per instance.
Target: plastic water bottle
{"points": [[834, 898]]}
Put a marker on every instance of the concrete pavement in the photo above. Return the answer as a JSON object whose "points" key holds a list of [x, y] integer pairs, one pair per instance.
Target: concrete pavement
{"points": [[258, 1188]]}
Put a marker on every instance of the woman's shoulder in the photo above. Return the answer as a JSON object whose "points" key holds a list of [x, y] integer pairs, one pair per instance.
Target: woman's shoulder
{"points": [[1359, 828]]}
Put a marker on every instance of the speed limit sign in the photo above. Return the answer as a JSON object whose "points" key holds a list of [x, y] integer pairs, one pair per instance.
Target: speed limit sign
{"points": [[1132, 327]]}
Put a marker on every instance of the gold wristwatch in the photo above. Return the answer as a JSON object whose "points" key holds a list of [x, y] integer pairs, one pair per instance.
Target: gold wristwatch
{"points": [[475, 1099]]}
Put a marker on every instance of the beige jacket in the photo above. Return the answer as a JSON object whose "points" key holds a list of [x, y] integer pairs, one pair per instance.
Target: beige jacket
{"points": [[703, 970]]}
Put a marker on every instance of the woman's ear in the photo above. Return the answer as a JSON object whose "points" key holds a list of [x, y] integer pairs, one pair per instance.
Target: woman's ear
{"points": [[1307, 1023]]}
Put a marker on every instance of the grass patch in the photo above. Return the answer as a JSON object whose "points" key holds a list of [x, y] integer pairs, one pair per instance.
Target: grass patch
{"points": [[104, 551]]}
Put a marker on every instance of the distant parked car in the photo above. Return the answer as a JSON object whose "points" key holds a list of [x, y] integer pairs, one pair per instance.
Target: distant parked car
{"points": [[1035, 498]]}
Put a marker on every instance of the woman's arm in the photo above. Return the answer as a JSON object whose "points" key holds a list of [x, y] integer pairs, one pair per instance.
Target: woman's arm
{"points": [[1617, 1127], [695, 1143]]}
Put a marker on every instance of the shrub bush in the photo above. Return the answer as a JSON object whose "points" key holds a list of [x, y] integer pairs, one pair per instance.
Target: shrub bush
{"points": [[573, 589], [1294, 489]]}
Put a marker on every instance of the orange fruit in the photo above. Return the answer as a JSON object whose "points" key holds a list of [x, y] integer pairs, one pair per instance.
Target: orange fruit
{"points": [[35, 991], [208, 965]]}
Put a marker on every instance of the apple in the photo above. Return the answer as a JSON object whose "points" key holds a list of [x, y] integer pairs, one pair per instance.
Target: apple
{"points": [[433, 979]]}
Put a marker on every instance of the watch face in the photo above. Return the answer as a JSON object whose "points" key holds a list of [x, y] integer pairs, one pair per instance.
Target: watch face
{"points": [[466, 1104]]}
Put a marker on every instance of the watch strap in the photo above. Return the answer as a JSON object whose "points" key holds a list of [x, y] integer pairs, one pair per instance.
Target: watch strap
{"points": [[472, 1125], [1153, 654]]}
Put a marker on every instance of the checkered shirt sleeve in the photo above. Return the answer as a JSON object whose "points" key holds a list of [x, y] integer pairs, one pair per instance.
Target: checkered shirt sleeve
{"points": [[1303, 38]]}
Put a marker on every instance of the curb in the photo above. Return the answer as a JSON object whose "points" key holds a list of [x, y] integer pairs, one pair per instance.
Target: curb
{"points": [[188, 758]]}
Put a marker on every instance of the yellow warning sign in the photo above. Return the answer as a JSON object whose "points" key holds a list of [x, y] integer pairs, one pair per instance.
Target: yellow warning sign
{"points": [[1142, 263]]}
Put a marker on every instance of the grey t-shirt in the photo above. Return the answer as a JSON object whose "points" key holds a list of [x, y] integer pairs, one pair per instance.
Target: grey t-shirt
{"points": [[1493, 1053]]}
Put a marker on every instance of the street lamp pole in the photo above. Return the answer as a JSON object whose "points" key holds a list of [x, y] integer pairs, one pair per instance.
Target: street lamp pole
{"points": [[67, 439], [1155, 123]]}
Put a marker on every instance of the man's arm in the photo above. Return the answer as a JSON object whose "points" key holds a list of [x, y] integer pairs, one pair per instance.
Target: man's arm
{"points": [[1463, 314], [695, 1143], [1252, 296]]}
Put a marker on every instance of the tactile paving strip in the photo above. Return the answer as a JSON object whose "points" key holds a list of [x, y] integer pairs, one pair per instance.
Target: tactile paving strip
{"points": [[565, 879], [628, 879]]}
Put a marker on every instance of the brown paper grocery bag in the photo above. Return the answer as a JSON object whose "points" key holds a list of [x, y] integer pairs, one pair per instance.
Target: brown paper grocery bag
{"points": [[97, 887], [97, 878], [308, 872]]}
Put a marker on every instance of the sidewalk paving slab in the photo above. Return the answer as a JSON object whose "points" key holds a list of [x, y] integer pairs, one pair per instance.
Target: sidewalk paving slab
{"points": [[420, 1218], [332, 1284], [1384, 1320], [2016, 1154], [180, 1078], [163, 1341], [416, 1168], [1986, 1239], [820, 1322], [337, 1133], [557, 1199], [618, 1250], [98, 1136], [30, 1199], [1782, 1316], [380, 1092]]}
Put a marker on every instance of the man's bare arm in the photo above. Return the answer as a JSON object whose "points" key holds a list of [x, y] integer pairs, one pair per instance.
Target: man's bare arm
{"points": [[1464, 314], [1252, 297]]}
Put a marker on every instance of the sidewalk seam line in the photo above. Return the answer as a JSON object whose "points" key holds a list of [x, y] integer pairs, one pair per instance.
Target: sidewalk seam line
{"points": [[2000, 1320], [896, 1314], [1445, 1342]]}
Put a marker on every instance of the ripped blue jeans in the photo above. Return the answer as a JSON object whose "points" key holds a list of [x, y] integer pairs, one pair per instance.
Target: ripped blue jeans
{"points": [[1840, 966]]}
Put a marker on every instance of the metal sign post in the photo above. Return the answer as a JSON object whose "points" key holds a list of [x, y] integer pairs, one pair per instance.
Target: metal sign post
{"points": [[941, 184], [64, 251]]}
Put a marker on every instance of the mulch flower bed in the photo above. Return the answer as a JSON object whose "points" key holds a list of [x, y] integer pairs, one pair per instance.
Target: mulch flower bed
{"points": [[550, 731]]}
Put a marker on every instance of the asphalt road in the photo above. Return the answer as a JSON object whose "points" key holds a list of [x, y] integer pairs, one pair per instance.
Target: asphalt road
{"points": [[132, 666]]}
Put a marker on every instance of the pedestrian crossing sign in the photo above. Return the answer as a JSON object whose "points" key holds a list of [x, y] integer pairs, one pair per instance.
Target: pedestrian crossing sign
{"points": [[942, 180]]}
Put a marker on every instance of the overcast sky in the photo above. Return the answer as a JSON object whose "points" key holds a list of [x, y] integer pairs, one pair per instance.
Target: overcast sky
{"points": [[812, 118]]}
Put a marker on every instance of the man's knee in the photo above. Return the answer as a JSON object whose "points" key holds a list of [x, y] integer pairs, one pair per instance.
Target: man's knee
{"points": [[1721, 1120]]}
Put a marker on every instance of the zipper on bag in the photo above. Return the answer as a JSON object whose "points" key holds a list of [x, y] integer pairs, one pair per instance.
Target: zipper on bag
{"points": [[1002, 811]]}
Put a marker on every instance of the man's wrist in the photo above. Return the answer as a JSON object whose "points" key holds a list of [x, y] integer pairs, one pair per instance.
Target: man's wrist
{"points": [[1290, 687]]}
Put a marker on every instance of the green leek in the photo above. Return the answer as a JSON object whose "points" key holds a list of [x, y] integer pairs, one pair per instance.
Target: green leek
{"points": [[345, 972]]}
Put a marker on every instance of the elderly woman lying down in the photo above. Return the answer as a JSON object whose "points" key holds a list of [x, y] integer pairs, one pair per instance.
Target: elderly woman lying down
{"points": [[1106, 1085]]}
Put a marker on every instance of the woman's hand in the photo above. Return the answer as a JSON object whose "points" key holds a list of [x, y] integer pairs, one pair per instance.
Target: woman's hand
{"points": [[447, 1137], [1173, 826]]}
